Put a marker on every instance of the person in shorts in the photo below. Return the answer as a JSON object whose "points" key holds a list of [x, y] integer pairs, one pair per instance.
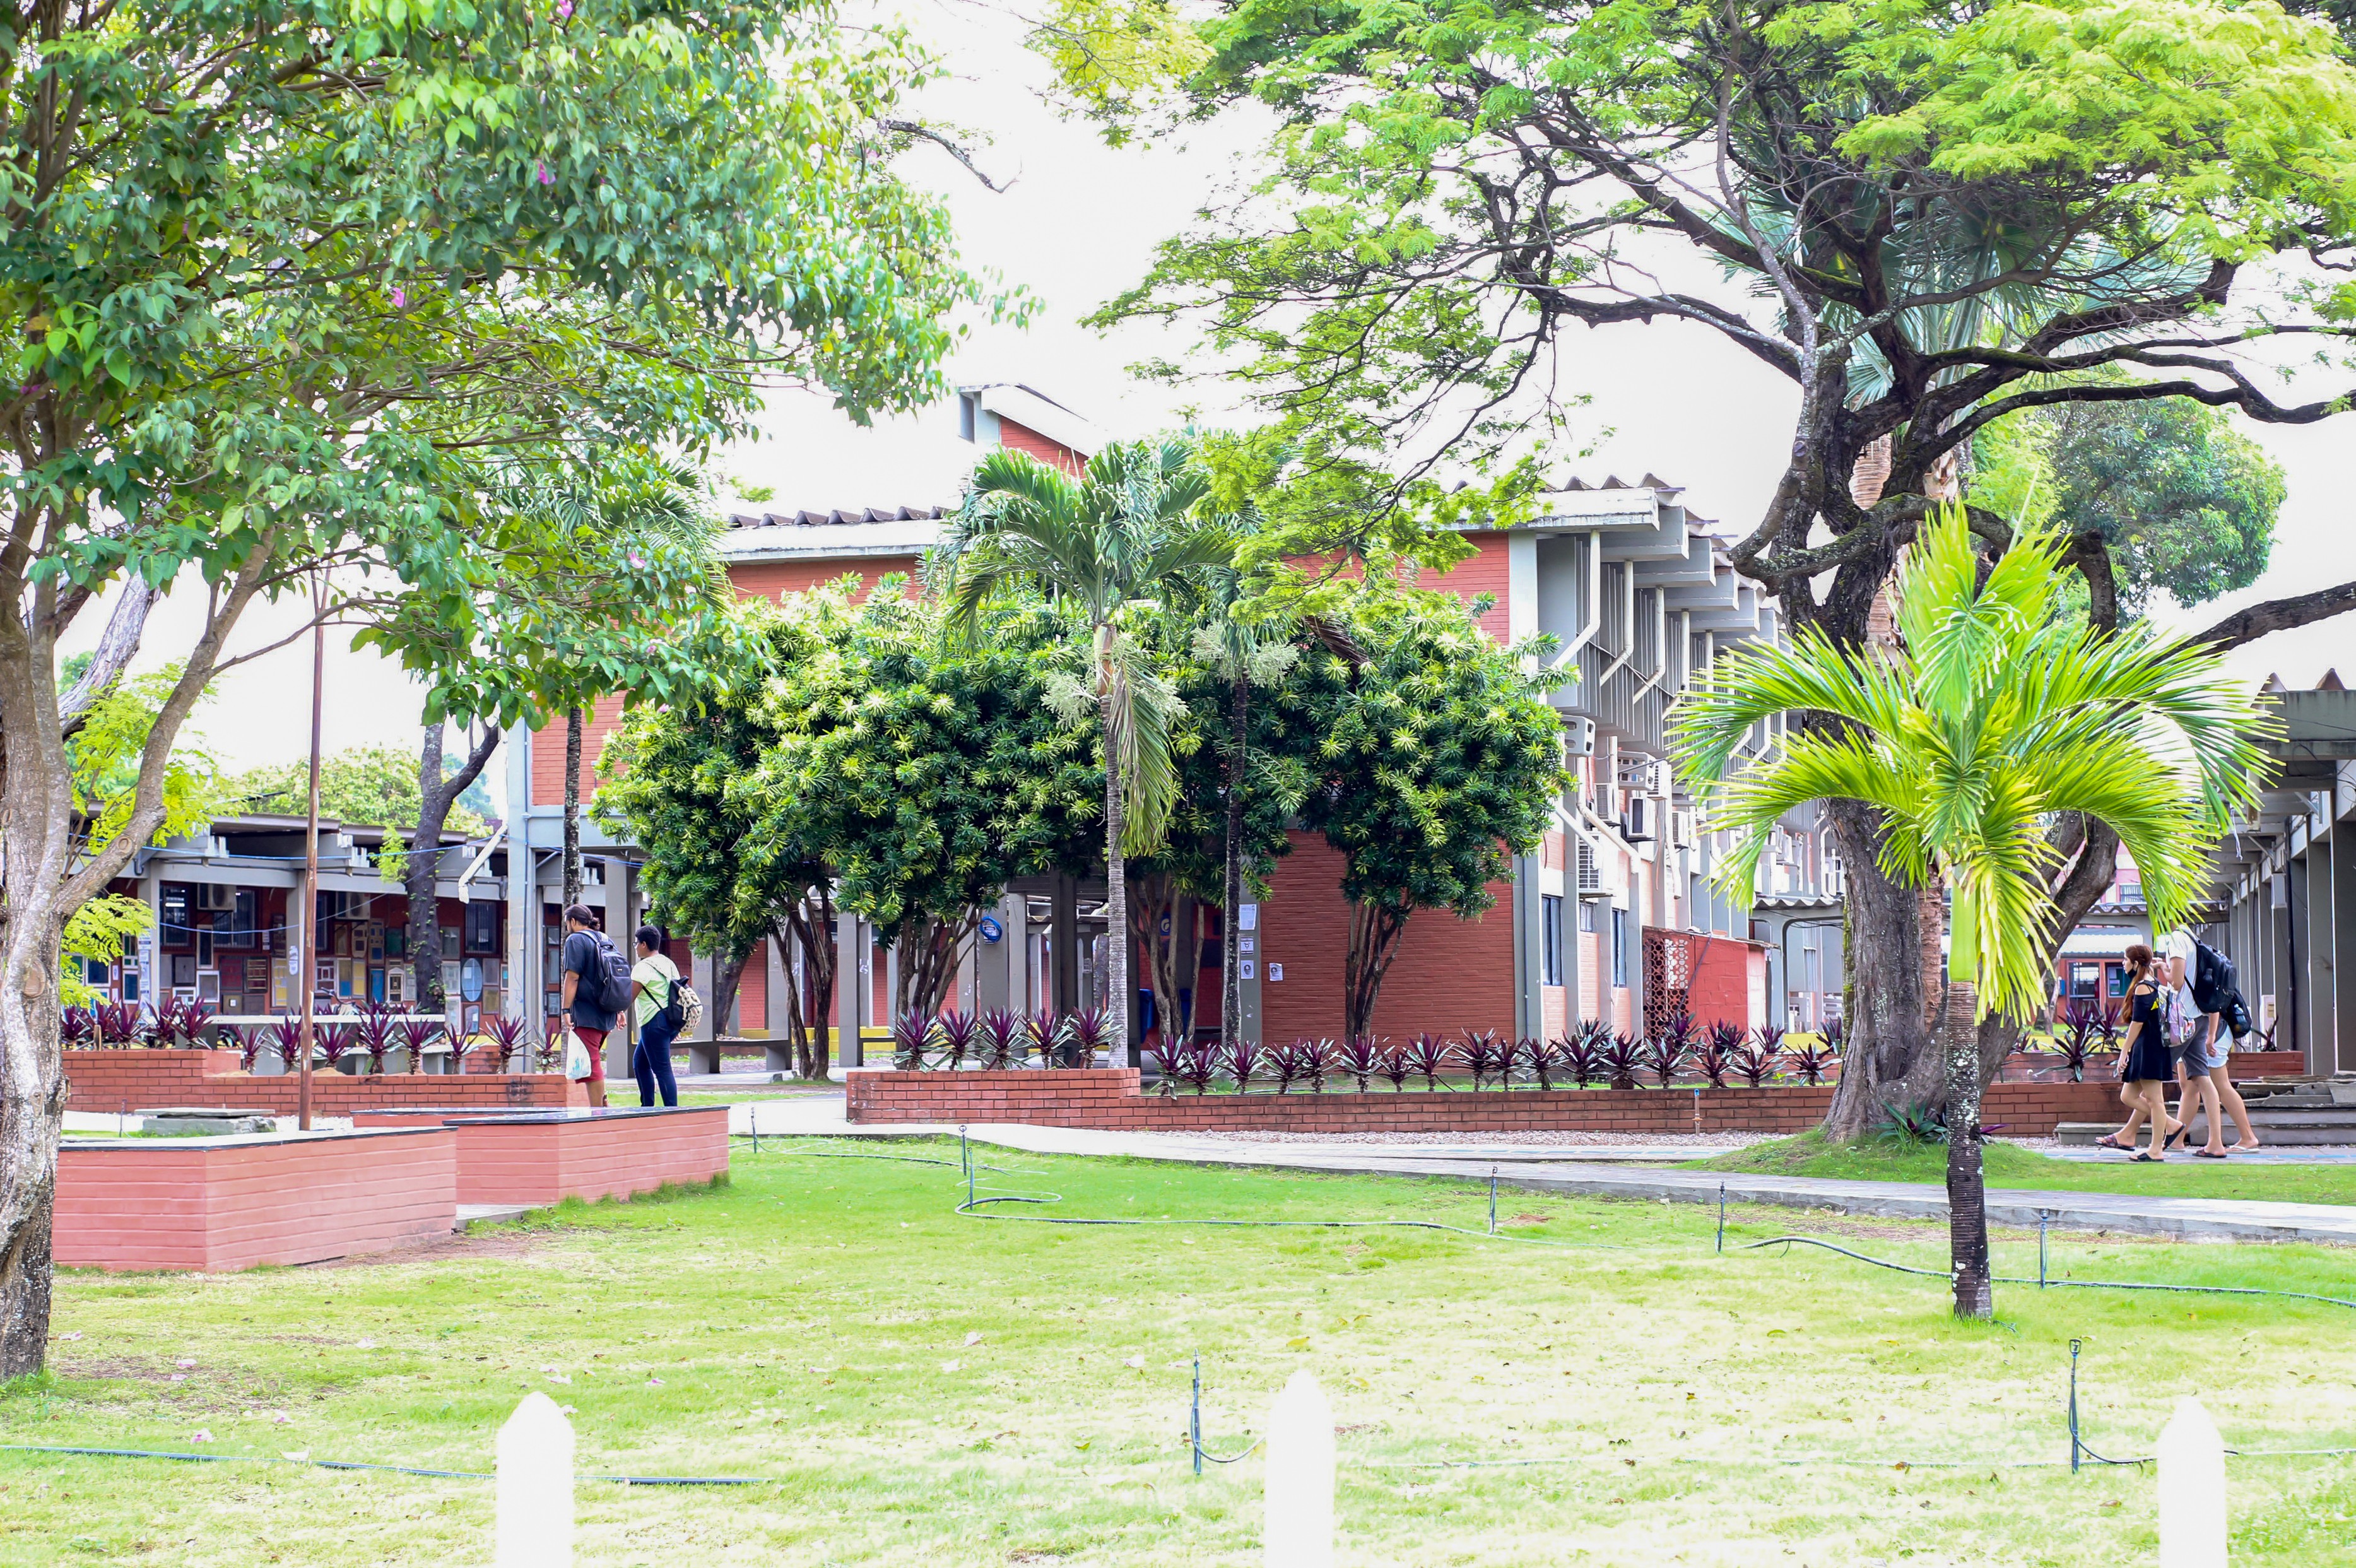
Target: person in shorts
{"points": [[580, 1014], [2207, 1045]]}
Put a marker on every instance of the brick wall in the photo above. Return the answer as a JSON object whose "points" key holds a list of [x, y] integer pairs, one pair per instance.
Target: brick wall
{"points": [[775, 579], [590, 1157], [1112, 1099], [1484, 571], [110, 1081], [1450, 974]]}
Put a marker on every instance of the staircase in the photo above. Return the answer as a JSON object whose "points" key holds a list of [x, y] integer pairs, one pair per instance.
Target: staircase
{"points": [[2283, 1111]]}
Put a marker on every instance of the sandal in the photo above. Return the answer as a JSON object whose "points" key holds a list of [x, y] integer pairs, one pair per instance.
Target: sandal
{"points": [[2146, 1160], [2112, 1141], [2208, 1154], [2182, 1134]]}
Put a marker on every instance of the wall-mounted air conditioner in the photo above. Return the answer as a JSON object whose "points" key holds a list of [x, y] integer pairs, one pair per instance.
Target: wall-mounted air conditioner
{"points": [[1636, 823], [216, 896], [1577, 736]]}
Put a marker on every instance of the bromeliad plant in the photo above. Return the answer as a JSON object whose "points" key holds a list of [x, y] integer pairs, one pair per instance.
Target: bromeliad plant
{"points": [[1397, 1069], [1288, 1064], [959, 1033], [1360, 1058], [1713, 1056], [417, 1034], [1430, 1056], [1244, 1059], [76, 1028], [2081, 1030], [1999, 710], [1479, 1053], [1758, 1057], [375, 1032], [1813, 1059], [508, 1036], [999, 1036], [1666, 1057], [244, 1042], [1086, 1033], [1622, 1058], [913, 1035], [1582, 1052], [1544, 1057], [120, 1024]]}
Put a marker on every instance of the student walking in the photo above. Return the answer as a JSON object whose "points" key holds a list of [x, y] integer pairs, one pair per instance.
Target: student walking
{"points": [[661, 1011], [2205, 981], [595, 990], [2145, 1048]]}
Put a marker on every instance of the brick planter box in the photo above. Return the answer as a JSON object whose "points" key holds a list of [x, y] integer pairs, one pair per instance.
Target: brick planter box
{"points": [[1111, 1098], [107, 1081], [214, 1204], [545, 1157]]}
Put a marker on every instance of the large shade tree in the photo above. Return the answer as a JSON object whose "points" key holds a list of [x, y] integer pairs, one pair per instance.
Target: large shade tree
{"points": [[1997, 715], [1920, 220], [1104, 546], [271, 270]]}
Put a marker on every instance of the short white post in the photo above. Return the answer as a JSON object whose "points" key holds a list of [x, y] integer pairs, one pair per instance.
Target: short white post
{"points": [[535, 1486], [1300, 1531], [2191, 1490]]}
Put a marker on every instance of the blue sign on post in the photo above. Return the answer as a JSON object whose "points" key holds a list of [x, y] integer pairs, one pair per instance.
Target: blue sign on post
{"points": [[991, 930]]}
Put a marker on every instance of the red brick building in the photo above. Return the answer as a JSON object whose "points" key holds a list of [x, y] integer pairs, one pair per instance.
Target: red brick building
{"points": [[1613, 917]]}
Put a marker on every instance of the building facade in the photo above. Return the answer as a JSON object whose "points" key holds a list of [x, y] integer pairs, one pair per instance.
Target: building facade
{"points": [[1616, 916]]}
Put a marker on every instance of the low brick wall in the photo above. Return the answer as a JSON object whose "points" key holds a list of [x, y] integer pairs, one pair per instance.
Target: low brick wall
{"points": [[1111, 1098], [215, 1204], [544, 1160], [109, 1082]]}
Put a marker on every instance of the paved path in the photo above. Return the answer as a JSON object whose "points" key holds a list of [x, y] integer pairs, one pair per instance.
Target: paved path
{"points": [[1569, 1169]]}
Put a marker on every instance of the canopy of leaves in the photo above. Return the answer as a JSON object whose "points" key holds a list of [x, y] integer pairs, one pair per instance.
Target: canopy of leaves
{"points": [[373, 786], [2185, 501], [106, 750], [1440, 759]]}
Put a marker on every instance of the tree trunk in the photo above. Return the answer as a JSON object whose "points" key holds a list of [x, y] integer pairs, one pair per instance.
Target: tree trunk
{"points": [[1882, 1061], [725, 974], [811, 923], [1375, 934], [1230, 934], [1967, 1236], [1157, 898], [1115, 983], [572, 813], [435, 796], [929, 949]]}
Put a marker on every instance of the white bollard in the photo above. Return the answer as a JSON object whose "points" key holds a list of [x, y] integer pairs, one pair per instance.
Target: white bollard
{"points": [[2191, 1490], [535, 1486], [1299, 1529]]}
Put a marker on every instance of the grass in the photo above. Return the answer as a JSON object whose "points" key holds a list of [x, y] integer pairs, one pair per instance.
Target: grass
{"points": [[939, 1390], [2008, 1165]]}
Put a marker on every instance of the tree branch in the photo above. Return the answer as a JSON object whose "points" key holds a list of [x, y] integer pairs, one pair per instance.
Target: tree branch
{"points": [[911, 128], [2279, 615]]}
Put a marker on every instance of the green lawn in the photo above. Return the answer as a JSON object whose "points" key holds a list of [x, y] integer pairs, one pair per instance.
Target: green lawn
{"points": [[2011, 1166], [936, 1390]]}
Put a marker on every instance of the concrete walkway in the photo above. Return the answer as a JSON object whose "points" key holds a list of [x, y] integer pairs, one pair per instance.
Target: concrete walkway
{"points": [[1572, 1171]]}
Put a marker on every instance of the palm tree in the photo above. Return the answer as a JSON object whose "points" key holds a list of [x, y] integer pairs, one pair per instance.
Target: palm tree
{"points": [[1130, 529], [1996, 714]]}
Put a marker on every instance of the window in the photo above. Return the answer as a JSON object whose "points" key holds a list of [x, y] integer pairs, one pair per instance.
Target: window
{"points": [[1550, 931], [1586, 914], [245, 919], [176, 905], [1619, 947], [482, 925]]}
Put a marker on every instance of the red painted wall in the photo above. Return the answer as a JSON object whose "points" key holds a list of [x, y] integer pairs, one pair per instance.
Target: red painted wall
{"points": [[1484, 571]]}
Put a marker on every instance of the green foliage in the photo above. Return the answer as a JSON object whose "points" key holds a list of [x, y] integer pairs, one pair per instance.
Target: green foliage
{"points": [[1442, 759], [106, 754], [103, 930], [1994, 716], [2185, 500], [372, 786]]}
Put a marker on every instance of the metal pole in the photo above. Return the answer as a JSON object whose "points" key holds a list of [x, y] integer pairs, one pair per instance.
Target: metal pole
{"points": [[1721, 1217], [2073, 1407], [307, 960], [1493, 1201], [965, 1157], [1194, 1418], [2042, 1215]]}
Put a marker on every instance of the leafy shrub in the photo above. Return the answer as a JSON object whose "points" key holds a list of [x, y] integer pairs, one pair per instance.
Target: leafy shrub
{"points": [[1714, 1054], [1582, 1052], [912, 1037], [1243, 1061], [334, 1040], [1395, 1066], [1664, 1055], [957, 1033], [1086, 1033], [1758, 1058], [1359, 1059], [507, 1036], [1813, 1059], [1905, 1124], [1430, 1056], [1480, 1054], [1544, 1057], [76, 1028], [376, 1032], [119, 1022], [1622, 1058], [999, 1038], [1289, 1064], [1043, 1032], [417, 1034]]}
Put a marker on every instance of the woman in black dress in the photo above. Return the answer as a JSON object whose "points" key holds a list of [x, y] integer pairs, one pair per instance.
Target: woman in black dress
{"points": [[2145, 1048]]}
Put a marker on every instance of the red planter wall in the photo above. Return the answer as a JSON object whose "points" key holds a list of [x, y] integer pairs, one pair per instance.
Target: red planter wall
{"points": [[1111, 1098], [219, 1204], [107, 1081], [590, 1157]]}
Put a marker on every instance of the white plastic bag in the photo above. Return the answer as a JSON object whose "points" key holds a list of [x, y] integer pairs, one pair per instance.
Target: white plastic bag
{"points": [[576, 1057]]}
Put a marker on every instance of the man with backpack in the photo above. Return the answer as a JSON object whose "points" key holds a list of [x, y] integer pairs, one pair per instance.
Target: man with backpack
{"points": [[596, 989], [663, 1001]]}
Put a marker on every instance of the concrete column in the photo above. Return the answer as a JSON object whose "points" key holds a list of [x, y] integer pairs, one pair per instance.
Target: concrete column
{"points": [[2319, 985], [1529, 949], [1064, 946], [2335, 1046], [780, 980], [849, 988], [2275, 910], [2298, 949], [520, 997], [614, 903], [1251, 942], [998, 977]]}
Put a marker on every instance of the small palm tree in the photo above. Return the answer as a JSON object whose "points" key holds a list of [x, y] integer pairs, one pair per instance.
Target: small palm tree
{"points": [[1995, 714], [1130, 530]]}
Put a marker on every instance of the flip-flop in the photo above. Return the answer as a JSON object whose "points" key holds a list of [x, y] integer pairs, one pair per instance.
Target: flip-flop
{"points": [[2146, 1160], [2206, 1154], [2112, 1142]]}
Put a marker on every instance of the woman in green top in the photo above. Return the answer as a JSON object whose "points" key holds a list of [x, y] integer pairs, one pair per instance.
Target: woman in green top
{"points": [[653, 981]]}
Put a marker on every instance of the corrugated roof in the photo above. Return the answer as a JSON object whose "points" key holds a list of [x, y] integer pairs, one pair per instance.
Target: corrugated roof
{"points": [[838, 518]]}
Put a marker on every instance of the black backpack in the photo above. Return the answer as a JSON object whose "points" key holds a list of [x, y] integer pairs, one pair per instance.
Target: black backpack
{"points": [[609, 979], [2212, 977]]}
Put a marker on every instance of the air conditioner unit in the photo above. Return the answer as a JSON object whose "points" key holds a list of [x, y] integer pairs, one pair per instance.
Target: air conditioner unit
{"points": [[1577, 736], [1681, 828], [1633, 823], [216, 896], [1589, 874]]}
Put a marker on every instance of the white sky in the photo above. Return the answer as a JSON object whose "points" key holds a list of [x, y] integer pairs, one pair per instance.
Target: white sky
{"points": [[1078, 225]]}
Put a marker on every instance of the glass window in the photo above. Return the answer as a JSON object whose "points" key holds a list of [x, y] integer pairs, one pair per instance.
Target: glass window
{"points": [[1550, 928], [1619, 947], [483, 925], [1586, 914]]}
